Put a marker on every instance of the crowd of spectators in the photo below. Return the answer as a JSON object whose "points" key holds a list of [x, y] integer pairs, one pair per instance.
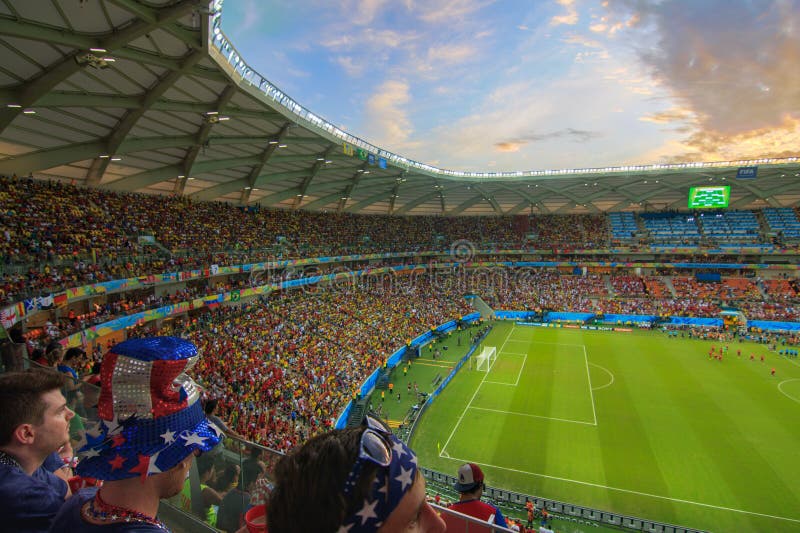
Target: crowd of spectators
{"points": [[284, 368], [56, 235], [592, 231]]}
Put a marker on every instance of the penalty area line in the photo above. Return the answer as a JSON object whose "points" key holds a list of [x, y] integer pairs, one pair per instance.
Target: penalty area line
{"points": [[461, 417]]}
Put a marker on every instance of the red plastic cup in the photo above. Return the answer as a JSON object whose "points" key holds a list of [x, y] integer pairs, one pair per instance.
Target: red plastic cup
{"points": [[256, 519]]}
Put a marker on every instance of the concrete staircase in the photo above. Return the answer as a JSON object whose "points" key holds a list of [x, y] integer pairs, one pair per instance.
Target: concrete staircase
{"points": [[482, 307], [668, 282]]}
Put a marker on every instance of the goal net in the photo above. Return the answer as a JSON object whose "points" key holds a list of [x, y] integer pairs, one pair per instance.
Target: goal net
{"points": [[485, 359]]}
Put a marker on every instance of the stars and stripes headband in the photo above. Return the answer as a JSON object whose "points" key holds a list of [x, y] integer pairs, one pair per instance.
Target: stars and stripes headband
{"points": [[149, 410], [394, 478]]}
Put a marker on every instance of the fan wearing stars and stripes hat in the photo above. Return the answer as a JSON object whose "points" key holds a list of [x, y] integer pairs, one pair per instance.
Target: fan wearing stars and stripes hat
{"points": [[151, 425], [355, 480]]}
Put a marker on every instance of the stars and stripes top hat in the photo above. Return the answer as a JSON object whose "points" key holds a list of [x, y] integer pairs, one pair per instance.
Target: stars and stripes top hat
{"points": [[150, 416]]}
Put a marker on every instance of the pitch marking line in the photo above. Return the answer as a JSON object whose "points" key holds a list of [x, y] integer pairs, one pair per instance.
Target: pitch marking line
{"points": [[589, 376], [608, 372], [513, 353], [785, 393], [628, 491], [535, 416], [559, 343], [461, 417], [521, 367]]}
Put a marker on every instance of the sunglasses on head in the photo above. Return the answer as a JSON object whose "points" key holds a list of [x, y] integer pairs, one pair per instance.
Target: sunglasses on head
{"points": [[374, 447]]}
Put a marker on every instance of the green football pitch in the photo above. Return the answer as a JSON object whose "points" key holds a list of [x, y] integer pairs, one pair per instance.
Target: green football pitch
{"points": [[631, 422]]}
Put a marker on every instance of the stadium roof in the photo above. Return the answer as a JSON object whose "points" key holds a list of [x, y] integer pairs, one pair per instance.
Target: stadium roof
{"points": [[152, 97]]}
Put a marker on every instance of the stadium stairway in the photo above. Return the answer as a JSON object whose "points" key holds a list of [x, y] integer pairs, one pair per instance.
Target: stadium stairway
{"points": [[668, 282], [357, 413], [609, 286], [482, 307], [759, 283]]}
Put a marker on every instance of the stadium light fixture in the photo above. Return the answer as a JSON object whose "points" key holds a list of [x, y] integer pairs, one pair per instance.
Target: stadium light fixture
{"points": [[13, 106], [190, 178], [320, 159], [104, 156], [282, 146], [272, 142], [98, 50], [89, 58], [181, 176], [29, 112], [116, 159], [328, 161]]}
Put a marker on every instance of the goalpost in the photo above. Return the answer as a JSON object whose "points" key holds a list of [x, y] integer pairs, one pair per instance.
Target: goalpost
{"points": [[485, 359]]}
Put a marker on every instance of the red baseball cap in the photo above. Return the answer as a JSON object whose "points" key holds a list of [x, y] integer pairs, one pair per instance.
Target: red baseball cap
{"points": [[470, 476]]}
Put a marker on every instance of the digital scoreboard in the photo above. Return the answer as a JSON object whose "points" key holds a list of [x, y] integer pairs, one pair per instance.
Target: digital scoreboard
{"points": [[709, 197]]}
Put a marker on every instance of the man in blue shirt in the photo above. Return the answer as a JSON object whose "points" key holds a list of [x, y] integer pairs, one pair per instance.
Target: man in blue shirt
{"points": [[34, 423]]}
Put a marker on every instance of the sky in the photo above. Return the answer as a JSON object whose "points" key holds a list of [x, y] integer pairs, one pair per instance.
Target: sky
{"points": [[507, 85]]}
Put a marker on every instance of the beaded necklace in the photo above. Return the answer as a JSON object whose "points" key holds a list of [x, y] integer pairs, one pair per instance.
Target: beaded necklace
{"points": [[7, 460], [98, 510]]}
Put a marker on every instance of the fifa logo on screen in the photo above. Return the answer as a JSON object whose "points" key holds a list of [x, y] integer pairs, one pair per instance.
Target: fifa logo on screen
{"points": [[747, 173]]}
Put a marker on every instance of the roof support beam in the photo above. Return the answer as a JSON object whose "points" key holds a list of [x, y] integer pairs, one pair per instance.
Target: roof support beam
{"points": [[53, 157], [355, 208], [322, 201], [490, 199], [29, 93], [348, 191], [212, 193], [308, 179], [131, 117], [278, 197], [145, 179], [464, 206], [252, 176], [200, 139]]}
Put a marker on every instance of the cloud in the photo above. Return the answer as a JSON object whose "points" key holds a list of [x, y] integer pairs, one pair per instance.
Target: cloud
{"points": [[570, 18], [366, 11], [772, 141], [372, 39], [350, 66], [735, 81], [668, 116], [386, 117], [573, 38], [451, 53], [513, 145], [251, 18], [437, 11]]}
